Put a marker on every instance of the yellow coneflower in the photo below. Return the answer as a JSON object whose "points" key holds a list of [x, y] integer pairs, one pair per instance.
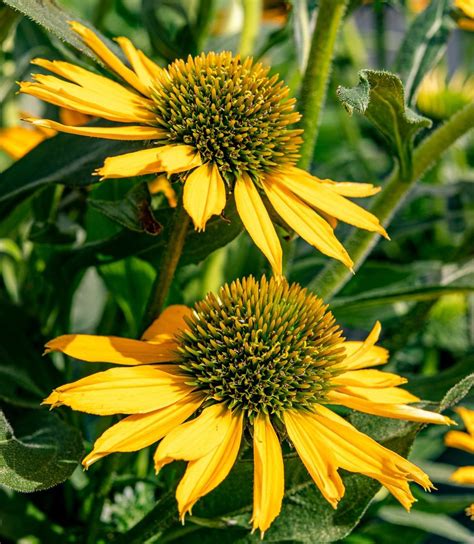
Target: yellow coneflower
{"points": [[262, 355], [223, 125], [439, 98]]}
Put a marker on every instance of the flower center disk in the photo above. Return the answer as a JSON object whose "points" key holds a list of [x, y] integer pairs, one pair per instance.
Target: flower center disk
{"points": [[261, 347], [230, 111]]}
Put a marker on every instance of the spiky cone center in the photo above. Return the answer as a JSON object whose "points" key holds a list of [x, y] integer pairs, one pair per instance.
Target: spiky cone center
{"points": [[230, 111], [261, 347]]}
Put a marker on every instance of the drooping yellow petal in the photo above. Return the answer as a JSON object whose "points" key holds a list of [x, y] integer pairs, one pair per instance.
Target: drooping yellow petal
{"points": [[316, 455], [269, 482], [463, 475], [90, 80], [167, 158], [111, 133], [196, 438], [372, 356], [305, 221], [256, 220], [170, 321], [462, 441], [141, 67], [110, 59], [368, 378], [205, 474], [357, 351], [73, 118], [18, 141], [161, 184], [319, 195], [351, 189], [112, 349], [141, 430], [395, 411], [123, 390], [204, 194], [468, 419]]}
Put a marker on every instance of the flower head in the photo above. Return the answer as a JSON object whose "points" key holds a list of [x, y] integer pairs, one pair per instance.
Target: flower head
{"points": [[262, 355], [218, 123], [463, 441], [439, 98]]}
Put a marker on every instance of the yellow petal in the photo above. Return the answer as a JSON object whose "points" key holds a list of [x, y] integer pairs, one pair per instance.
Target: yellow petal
{"points": [[463, 475], [111, 133], [319, 195], [167, 158], [170, 321], [18, 141], [139, 431], [196, 438], [386, 395], [316, 455], [368, 378], [161, 184], [112, 349], [269, 482], [305, 221], [354, 356], [467, 6], [101, 50], [135, 57], [468, 419], [395, 411], [372, 356], [95, 82], [204, 194], [350, 188], [133, 390], [256, 220], [462, 441], [73, 118], [206, 473]]}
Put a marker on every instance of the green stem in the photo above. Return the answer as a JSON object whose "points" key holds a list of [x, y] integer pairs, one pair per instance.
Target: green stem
{"points": [[316, 77], [169, 262], [252, 18], [359, 243]]}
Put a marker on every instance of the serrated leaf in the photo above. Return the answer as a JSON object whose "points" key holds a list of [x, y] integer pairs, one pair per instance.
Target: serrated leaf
{"points": [[379, 96], [423, 45], [55, 19], [65, 158], [37, 450], [132, 212]]}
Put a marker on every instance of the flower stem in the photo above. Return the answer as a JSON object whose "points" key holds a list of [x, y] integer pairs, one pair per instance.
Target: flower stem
{"points": [[316, 77], [252, 17], [359, 244], [169, 262]]}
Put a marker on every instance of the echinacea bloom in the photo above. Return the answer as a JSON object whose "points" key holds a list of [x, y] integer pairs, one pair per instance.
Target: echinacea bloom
{"points": [[440, 98], [463, 441], [260, 355], [220, 123]]}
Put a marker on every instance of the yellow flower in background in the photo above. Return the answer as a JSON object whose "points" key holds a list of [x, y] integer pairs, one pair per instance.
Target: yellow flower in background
{"points": [[466, 6], [260, 355], [439, 98], [465, 442], [223, 125]]}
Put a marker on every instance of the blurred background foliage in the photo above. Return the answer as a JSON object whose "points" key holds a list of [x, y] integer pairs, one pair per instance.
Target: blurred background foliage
{"points": [[74, 257]]}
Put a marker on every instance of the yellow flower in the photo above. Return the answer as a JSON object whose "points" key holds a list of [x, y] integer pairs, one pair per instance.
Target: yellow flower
{"points": [[439, 98], [262, 355], [463, 441], [223, 125]]}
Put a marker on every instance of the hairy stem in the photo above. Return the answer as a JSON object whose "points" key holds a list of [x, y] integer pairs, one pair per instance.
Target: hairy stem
{"points": [[252, 17], [359, 244], [316, 77], [168, 264]]}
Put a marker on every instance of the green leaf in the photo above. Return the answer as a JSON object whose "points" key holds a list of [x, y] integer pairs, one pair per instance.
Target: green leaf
{"points": [[424, 43], [379, 96], [435, 524], [132, 212], [37, 450], [65, 158], [55, 19]]}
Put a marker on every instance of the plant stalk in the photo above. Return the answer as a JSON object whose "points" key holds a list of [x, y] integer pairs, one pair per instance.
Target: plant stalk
{"points": [[316, 77], [169, 262], [359, 243], [252, 17]]}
